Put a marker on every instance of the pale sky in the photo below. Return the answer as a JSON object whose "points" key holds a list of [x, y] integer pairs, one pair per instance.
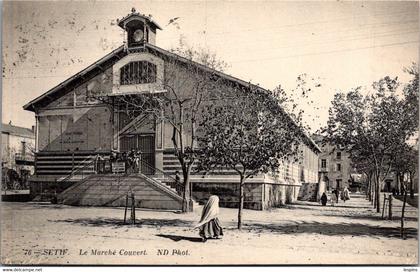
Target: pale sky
{"points": [[341, 45]]}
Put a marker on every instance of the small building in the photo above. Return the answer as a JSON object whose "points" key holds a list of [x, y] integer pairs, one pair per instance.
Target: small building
{"points": [[334, 165], [17, 146], [78, 137]]}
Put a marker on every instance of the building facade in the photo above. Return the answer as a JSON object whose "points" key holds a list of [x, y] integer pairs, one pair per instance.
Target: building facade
{"points": [[17, 147], [73, 129], [334, 165]]}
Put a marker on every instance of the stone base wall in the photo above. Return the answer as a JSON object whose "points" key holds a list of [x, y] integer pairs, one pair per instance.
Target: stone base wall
{"points": [[258, 196], [308, 192], [46, 190], [277, 195], [228, 194]]}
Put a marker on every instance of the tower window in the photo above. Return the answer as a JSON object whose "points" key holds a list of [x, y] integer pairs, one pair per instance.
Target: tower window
{"points": [[138, 72], [338, 155]]}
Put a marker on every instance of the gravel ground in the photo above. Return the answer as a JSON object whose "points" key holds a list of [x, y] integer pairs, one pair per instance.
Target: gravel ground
{"points": [[303, 233]]}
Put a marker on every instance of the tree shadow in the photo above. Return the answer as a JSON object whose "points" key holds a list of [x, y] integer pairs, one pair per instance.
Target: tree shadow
{"points": [[373, 217], [410, 201], [47, 205], [319, 207], [117, 222], [178, 238], [331, 229]]}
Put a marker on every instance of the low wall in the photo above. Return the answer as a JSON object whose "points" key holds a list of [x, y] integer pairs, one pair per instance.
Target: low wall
{"points": [[277, 195], [47, 189], [258, 196], [228, 194], [308, 192]]}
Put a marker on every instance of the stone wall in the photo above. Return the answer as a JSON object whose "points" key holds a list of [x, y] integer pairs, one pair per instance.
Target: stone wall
{"points": [[277, 195], [228, 194], [308, 192]]}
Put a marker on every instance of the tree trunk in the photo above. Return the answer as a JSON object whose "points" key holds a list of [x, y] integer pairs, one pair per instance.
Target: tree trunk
{"points": [[400, 180], [374, 194], [411, 186], [378, 191], [390, 207], [186, 197], [402, 214], [241, 201]]}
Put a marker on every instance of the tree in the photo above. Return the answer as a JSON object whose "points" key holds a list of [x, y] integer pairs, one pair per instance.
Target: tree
{"points": [[405, 164], [191, 77], [249, 134], [365, 167], [371, 127]]}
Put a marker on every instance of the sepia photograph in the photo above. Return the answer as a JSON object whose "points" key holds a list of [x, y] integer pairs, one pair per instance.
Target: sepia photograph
{"points": [[150, 133]]}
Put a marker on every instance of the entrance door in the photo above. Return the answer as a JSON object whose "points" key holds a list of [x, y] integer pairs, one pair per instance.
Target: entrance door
{"points": [[388, 185], [145, 143]]}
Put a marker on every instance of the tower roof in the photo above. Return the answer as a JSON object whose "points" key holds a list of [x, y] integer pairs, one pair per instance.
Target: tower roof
{"points": [[137, 16]]}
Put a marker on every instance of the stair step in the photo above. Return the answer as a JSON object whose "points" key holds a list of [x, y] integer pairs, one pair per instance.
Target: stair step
{"points": [[110, 190]]}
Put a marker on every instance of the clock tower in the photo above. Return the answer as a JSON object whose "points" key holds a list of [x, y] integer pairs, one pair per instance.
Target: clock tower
{"points": [[139, 28]]}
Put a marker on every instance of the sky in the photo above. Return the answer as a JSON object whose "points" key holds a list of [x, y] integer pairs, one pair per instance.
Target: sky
{"points": [[338, 45]]}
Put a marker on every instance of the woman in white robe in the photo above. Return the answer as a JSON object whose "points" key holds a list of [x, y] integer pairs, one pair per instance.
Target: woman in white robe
{"points": [[209, 224]]}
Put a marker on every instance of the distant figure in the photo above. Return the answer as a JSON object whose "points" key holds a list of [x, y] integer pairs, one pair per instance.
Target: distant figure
{"points": [[324, 199], [209, 224], [177, 177], [337, 194], [137, 161], [345, 195], [333, 197]]}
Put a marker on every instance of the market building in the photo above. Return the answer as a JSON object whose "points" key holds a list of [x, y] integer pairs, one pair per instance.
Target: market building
{"points": [[78, 137]]}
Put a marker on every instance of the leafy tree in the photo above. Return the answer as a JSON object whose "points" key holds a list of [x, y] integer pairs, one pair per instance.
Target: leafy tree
{"points": [[365, 167], [249, 134], [405, 165], [371, 127]]}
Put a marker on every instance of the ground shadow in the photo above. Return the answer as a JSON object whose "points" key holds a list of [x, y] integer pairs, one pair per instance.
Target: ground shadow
{"points": [[117, 222], [311, 206], [42, 205], [178, 238], [372, 217], [330, 229], [411, 201]]}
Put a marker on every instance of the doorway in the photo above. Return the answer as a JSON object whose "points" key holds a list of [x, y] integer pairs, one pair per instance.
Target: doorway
{"points": [[145, 143]]}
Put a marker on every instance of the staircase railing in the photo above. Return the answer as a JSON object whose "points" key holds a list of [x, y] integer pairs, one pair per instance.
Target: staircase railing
{"points": [[146, 167], [80, 170], [165, 177]]}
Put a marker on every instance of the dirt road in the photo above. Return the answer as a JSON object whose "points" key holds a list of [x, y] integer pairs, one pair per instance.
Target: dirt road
{"points": [[304, 233]]}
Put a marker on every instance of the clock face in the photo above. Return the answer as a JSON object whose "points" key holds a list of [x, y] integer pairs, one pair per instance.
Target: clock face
{"points": [[138, 35]]}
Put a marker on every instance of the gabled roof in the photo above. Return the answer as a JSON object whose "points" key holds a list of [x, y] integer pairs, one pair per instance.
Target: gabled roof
{"points": [[61, 89], [113, 57], [17, 131], [108, 60], [136, 15]]}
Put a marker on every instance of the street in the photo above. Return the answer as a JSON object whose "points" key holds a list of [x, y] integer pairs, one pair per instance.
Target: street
{"points": [[303, 233]]}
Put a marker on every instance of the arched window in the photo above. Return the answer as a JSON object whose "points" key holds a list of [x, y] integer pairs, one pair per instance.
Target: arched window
{"points": [[138, 72]]}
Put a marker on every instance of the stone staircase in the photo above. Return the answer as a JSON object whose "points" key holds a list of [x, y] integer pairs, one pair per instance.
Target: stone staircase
{"points": [[111, 190]]}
